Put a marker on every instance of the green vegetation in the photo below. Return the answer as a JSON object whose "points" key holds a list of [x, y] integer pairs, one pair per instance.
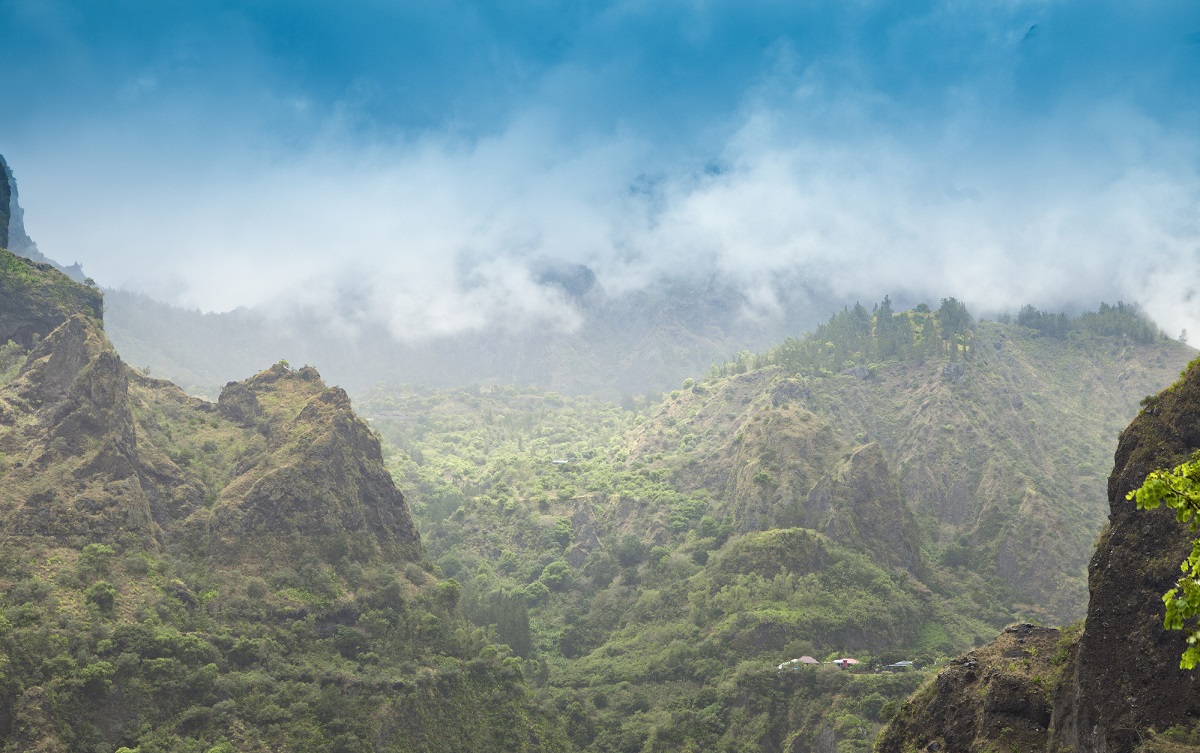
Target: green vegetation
{"points": [[857, 337], [12, 356], [35, 298], [655, 622], [180, 576], [710, 533], [188, 576], [1179, 490], [168, 653], [1122, 320]]}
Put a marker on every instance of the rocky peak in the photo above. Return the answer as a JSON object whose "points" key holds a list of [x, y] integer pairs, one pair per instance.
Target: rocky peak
{"points": [[280, 465], [12, 227], [322, 477]]}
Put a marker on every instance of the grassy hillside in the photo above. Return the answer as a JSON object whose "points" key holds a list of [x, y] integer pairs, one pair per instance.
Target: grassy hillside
{"points": [[679, 547], [182, 576]]}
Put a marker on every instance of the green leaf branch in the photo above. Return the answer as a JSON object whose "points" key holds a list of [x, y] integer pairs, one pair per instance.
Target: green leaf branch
{"points": [[1179, 489]]}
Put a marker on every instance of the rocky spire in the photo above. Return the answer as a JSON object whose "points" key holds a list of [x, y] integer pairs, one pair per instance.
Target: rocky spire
{"points": [[12, 226], [6, 201]]}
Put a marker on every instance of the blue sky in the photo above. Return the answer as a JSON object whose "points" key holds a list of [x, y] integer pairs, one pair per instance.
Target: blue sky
{"points": [[425, 154]]}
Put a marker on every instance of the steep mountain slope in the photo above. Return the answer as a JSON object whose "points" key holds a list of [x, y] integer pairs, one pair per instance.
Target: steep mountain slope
{"points": [[680, 549], [999, 456], [99, 457], [33, 300], [1116, 684], [181, 575]]}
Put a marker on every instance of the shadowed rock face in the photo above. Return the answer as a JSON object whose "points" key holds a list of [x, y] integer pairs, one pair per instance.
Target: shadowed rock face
{"points": [[6, 197], [1127, 677], [12, 227]]}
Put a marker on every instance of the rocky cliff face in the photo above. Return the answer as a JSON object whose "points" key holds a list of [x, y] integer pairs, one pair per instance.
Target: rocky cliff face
{"points": [[6, 202], [1126, 678], [97, 451], [994, 698], [1119, 681], [12, 227], [12, 218]]}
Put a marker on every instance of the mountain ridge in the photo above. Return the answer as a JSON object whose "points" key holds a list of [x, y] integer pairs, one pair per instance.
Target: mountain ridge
{"points": [[676, 549], [180, 575]]}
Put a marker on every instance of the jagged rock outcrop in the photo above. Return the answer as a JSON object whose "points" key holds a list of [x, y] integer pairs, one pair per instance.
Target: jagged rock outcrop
{"points": [[1126, 678], [35, 299], [81, 473], [994, 698], [1120, 680], [322, 478], [96, 451], [12, 227]]}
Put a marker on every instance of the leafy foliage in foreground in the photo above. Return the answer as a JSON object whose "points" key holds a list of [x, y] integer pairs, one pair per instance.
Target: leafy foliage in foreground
{"points": [[1179, 490]]}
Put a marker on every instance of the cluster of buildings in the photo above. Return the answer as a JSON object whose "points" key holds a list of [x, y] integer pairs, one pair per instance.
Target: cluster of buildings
{"points": [[843, 663]]}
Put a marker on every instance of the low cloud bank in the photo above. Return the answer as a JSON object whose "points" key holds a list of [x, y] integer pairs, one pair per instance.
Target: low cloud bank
{"points": [[1016, 166]]}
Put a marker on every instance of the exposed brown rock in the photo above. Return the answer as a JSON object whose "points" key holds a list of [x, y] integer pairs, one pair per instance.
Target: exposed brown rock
{"points": [[1127, 679], [994, 698], [102, 453], [1121, 679]]}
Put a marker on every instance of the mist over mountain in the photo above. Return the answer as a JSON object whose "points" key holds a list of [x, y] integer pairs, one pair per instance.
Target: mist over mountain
{"points": [[1019, 153], [609, 377], [648, 339]]}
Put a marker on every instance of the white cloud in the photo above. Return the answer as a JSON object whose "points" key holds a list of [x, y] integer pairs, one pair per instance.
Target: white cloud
{"points": [[821, 178]]}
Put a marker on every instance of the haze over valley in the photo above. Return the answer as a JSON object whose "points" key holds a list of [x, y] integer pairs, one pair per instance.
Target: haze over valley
{"points": [[619, 378]]}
